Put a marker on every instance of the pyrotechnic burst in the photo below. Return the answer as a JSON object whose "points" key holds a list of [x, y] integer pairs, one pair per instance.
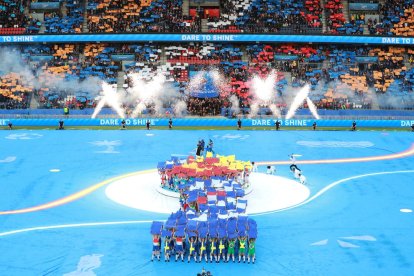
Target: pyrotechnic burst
{"points": [[111, 98], [299, 99], [264, 88]]}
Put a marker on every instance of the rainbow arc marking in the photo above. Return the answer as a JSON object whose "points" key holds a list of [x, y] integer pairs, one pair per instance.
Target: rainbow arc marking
{"points": [[406, 153], [75, 196]]}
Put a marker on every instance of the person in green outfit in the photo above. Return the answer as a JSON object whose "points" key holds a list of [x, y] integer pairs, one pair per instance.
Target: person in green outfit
{"points": [[230, 251], [252, 251], [242, 248]]}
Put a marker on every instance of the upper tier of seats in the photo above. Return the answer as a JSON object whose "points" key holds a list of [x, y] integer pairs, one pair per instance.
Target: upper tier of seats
{"points": [[352, 17]]}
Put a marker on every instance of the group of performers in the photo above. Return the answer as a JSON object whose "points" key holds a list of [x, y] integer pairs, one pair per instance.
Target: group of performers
{"points": [[172, 179], [201, 145], [212, 224], [206, 248]]}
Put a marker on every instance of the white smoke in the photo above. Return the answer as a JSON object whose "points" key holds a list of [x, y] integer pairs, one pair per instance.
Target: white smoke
{"points": [[275, 110], [254, 109], [235, 105], [180, 108], [155, 93], [13, 61]]}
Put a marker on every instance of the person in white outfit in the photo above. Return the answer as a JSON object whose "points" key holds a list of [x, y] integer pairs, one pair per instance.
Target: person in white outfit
{"points": [[254, 167], [292, 159], [302, 179]]}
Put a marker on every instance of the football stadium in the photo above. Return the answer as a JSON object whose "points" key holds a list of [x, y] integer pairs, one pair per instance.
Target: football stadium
{"points": [[206, 137]]}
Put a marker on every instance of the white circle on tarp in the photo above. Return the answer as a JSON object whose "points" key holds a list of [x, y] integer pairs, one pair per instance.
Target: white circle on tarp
{"points": [[54, 170], [269, 193], [404, 210]]}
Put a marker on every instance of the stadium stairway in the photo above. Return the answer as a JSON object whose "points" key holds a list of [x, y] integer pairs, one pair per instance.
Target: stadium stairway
{"points": [[324, 28], [204, 27], [163, 57], [186, 7], [345, 9], [120, 80], [245, 57], [366, 30], [85, 18], [64, 9]]}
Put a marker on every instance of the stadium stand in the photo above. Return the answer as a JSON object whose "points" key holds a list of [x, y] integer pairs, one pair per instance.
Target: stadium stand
{"points": [[340, 76], [258, 16], [71, 23], [14, 91], [13, 19], [139, 16], [390, 17]]}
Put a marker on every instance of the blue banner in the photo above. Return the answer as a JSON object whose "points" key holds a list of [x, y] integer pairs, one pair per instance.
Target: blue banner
{"points": [[41, 58], [286, 57], [366, 59], [45, 5], [122, 57], [363, 6], [79, 38], [209, 122]]}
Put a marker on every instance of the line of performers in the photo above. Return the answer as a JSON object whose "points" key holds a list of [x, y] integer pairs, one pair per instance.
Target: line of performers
{"points": [[209, 249]]}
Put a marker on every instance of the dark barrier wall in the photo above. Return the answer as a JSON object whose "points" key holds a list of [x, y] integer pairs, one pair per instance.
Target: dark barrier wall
{"points": [[194, 122]]}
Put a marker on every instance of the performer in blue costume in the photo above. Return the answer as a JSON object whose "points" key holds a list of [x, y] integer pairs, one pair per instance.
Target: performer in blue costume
{"points": [[209, 147]]}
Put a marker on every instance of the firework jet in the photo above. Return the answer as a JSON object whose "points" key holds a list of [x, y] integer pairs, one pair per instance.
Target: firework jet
{"points": [[196, 82], [146, 92], [312, 108], [264, 88], [111, 98], [297, 102]]}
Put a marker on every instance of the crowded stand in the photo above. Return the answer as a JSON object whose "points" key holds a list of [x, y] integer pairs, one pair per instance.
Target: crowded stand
{"points": [[139, 16], [56, 23], [363, 71], [268, 16], [390, 17], [15, 91], [14, 20]]}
